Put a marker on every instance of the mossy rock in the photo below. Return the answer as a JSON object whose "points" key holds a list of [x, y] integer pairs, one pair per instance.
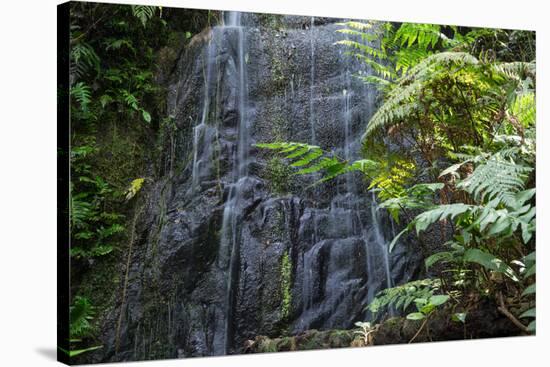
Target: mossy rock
{"points": [[308, 340]]}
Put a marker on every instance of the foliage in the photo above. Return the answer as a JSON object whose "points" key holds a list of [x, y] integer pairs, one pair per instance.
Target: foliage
{"points": [[286, 279], [365, 331], [388, 178], [144, 13], [134, 188], [92, 226], [81, 312], [80, 326], [454, 142], [528, 272], [403, 296], [111, 82], [499, 216], [426, 306], [279, 175]]}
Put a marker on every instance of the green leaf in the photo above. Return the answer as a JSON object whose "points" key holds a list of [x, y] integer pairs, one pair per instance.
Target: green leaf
{"points": [[531, 257], [530, 271], [532, 326], [146, 116], [490, 262], [74, 353], [396, 238], [438, 299], [532, 312], [308, 158], [459, 317], [426, 309], [531, 289], [416, 316], [438, 256]]}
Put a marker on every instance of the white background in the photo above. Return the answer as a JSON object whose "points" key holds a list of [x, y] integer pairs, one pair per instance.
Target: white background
{"points": [[28, 182]]}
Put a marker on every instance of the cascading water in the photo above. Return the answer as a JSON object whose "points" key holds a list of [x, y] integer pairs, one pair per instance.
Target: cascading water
{"points": [[230, 236], [378, 257], [221, 231], [312, 80], [349, 224]]}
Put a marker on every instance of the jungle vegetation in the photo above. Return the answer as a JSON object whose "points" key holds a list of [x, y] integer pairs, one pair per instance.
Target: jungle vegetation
{"points": [[451, 151], [118, 57]]}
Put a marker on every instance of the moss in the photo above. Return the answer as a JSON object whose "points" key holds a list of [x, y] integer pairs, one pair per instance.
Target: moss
{"points": [[286, 282], [340, 338], [278, 74], [278, 174], [271, 20], [267, 345]]}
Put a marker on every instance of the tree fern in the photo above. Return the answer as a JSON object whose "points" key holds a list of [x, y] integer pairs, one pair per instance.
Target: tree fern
{"points": [[402, 102], [425, 35], [496, 179]]}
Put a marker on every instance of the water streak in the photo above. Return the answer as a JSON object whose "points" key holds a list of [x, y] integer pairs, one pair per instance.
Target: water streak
{"points": [[230, 234]]}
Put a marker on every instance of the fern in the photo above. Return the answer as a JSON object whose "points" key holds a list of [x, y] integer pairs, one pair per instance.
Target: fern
{"points": [[82, 94], [81, 312], [80, 210], [524, 108], [143, 12], [402, 102], [134, 187], [424, 35], [496, 179], [83, 59], [309, 158], [402, 296]]}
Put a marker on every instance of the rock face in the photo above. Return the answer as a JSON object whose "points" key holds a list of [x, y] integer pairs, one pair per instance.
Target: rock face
{"points": [[229, 244]]}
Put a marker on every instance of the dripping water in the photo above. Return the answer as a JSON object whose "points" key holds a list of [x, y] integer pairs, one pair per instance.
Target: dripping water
{"points": [[202, 148], [312, 81], [230, 233]]}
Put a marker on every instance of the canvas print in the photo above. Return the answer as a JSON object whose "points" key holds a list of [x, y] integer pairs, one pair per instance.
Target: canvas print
{"points": [[234, 183]]}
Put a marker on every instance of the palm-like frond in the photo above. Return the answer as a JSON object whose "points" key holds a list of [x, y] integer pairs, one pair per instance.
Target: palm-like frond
{"points": [[143, 13], [403, 100], [496, 179], [82, 93]]}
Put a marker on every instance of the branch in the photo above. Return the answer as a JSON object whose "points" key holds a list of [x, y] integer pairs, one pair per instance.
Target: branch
{"points": [[502, 308], [419, 330]]}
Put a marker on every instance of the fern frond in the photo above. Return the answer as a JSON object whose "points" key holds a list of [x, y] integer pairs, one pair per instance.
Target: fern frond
{"points": [[402, 296], [83, 59], [82, 93], [517, 70], [381, 69], [359, 26], [524, 108], [424, 35], [402, 102], [496, 179], [143, 13], [81, 312]]}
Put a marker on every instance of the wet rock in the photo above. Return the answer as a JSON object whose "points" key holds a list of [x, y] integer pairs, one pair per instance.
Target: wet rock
{"points": [[207, 271]]}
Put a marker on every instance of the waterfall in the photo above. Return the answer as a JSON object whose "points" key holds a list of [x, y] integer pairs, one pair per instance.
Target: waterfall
{"points": [[201, 131], [349, 233], [223, 229], [230, 232], [378, 254], [312, 81]]}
